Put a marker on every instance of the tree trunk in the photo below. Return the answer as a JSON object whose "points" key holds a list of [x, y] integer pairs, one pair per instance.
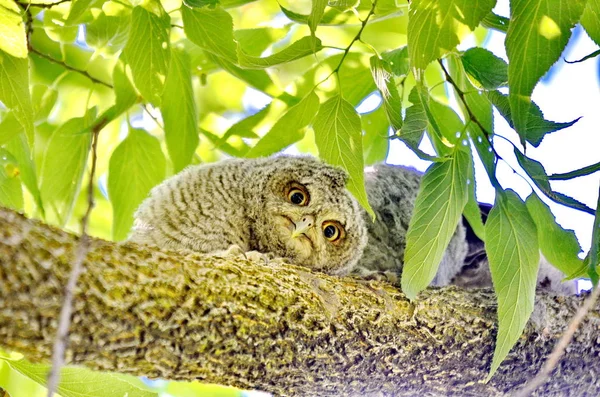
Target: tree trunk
{"points": [[278, 328]]}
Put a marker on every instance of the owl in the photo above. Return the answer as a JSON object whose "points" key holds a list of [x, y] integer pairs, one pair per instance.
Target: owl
{"points": [[296, 208]]}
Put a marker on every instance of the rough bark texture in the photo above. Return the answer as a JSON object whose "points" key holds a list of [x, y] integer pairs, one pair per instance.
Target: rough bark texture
{"points": [[277, 328]]}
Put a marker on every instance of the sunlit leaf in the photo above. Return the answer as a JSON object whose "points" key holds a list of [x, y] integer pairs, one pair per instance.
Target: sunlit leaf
{"points": [[558, 245], [79, 8], [489, 70], [398, 61], [539, 31], [512, 247], [255, 41], [179, 112], [136, 166], [288, 129], [64, 163], [43, 100], [438, 208], [376, 141], [299, 49], [536, 126], [14, 90], [339, 138], [12, 30], [212, 30], [384, 81], [19, 148], [590, 19], [108, 33], [82, 382], [148, 50], [472, 211], [538, 175], [435, 26], [11, 192], [245, 127], [316, 14]]}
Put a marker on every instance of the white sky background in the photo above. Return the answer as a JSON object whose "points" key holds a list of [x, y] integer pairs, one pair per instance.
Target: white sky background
{"points": [[568, 92]]}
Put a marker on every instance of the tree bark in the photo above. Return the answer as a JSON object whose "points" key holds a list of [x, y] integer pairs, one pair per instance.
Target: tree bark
{"points": [[275, 327]]}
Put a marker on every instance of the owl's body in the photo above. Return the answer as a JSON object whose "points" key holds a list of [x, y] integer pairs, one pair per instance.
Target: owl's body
{"points": [[295, 208], [392, 191]]}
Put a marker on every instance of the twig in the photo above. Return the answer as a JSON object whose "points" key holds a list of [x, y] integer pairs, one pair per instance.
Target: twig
{"points": [[42, 5], [560, 347], [64, 65], [62, 331]]}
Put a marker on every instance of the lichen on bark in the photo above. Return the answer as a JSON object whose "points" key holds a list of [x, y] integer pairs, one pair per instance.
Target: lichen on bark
{"points": [[275, 327]]}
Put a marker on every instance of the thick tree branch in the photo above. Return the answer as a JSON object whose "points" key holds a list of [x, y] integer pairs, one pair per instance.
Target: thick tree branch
{"points": [[277, 328]]}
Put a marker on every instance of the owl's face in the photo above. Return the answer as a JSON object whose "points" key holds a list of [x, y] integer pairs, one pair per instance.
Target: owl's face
{"points": [[307, 216]]}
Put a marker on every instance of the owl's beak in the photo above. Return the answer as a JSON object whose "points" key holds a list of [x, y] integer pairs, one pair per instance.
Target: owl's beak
{"points": [[302, 226]]}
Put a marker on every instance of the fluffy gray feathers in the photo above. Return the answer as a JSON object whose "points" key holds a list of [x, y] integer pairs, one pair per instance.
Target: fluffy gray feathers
{"points": [[250, 203]]}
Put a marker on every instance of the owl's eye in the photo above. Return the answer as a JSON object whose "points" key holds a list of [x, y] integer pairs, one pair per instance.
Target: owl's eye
{"points": [[332, 231], [297, 194]]}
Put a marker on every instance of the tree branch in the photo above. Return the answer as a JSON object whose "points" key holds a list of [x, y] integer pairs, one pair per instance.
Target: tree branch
{"points": [[278, 328]]}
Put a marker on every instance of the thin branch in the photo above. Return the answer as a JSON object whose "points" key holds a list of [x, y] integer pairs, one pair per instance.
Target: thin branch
{"points": [[42, 5], [64, 65], [62, 332], [561, 345]]}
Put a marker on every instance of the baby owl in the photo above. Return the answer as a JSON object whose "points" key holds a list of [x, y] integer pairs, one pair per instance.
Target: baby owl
{"points": [[295, 208]]}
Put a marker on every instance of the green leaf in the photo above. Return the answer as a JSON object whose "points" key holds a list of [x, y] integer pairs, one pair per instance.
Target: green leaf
{"points": [[338, 137], [179, 112], [497, 22], [212, 30], [9, 127], [420, 95], [594, 254], [489, 70], [14, 90], [415, 123], [299, 49], [434, 26], [19, 148], [57, 28], [376, 140], [125, 93], [147, 51], [398, 61], [590, 19], [200, 3], [11, 193], [384, 80], [539, 31], [43, 100], [450, 125], [538, 175], [288, 129], [256, 41], [82, 382], [512, 247], [64, 163], [136, 165], [558, 245], [79, 8], [108, 33], [12, 30], [472, 211], [536, 127], [438, 208], [245, 127], [316, 14], [590, 169]]}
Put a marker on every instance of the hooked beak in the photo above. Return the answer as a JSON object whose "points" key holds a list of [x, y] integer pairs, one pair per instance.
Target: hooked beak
{"points": [[302, 226]]}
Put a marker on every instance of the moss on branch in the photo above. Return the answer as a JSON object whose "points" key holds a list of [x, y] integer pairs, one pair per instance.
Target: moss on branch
{"points": [[273, 327]]}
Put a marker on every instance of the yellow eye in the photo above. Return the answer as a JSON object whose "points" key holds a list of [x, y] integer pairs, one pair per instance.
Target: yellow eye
{"points": [[297, 194], [332, 231]]}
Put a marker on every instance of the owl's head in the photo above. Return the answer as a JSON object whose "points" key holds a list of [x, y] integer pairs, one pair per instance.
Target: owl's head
{"points": [[304, 213]]}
